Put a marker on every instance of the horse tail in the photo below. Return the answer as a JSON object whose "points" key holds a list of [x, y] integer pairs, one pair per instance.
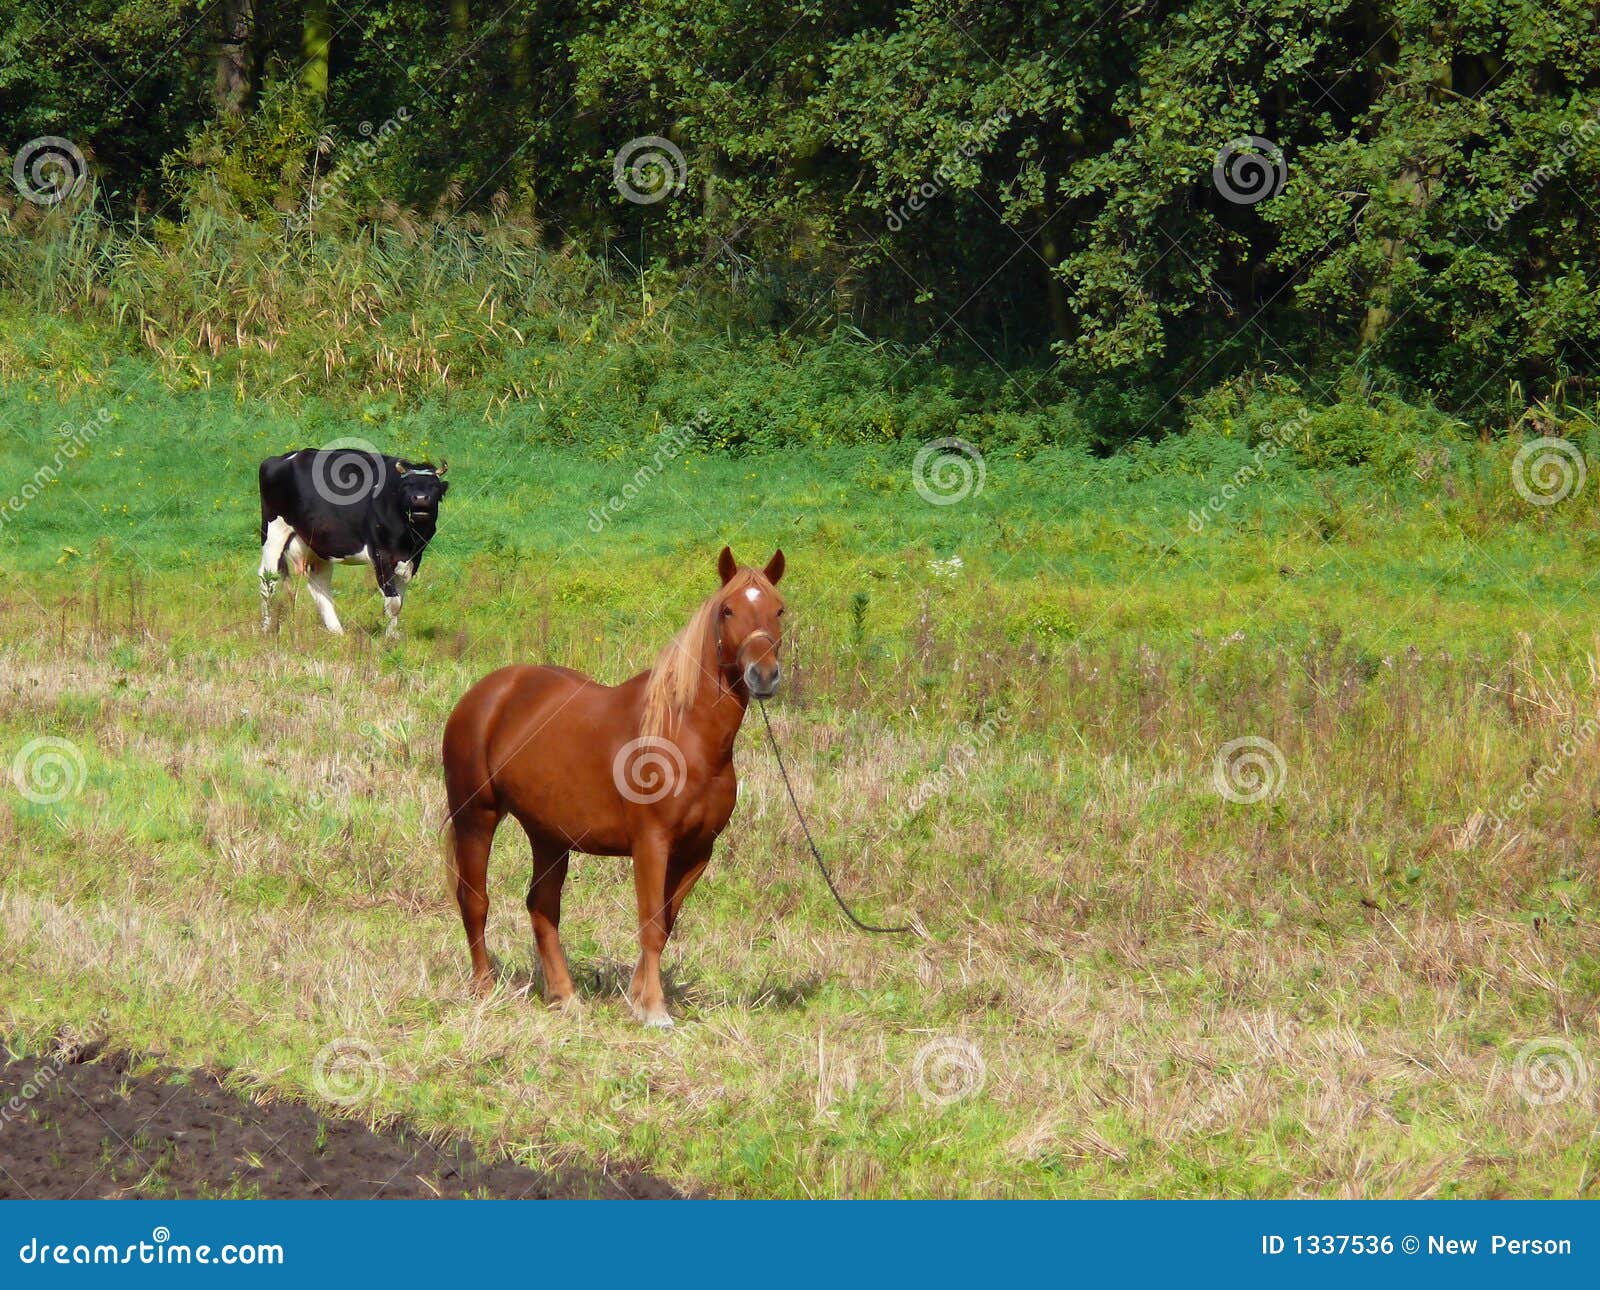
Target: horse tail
{"points": [[447, 851]]}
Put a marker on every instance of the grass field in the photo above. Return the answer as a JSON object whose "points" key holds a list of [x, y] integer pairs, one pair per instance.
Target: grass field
{"points": [[1009, 718]]}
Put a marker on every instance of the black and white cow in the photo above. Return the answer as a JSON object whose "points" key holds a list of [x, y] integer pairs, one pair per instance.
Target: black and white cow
{"points": [[345, 505]]}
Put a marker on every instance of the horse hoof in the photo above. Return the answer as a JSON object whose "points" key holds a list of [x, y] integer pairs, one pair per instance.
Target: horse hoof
{"points": [[655, 1018]]}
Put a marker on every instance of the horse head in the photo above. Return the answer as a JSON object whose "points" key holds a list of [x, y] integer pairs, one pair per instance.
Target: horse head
{"points": [[749, 622]]}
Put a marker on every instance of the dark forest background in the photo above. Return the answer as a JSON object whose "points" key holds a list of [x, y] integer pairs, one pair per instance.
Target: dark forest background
{"points": [[1034, 184]]}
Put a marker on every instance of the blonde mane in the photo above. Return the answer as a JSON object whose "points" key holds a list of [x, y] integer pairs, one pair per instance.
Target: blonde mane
{"points": [[675, 678]]}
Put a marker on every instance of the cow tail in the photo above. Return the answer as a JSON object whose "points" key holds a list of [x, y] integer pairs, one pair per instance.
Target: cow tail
{"points": [[261, 484]]}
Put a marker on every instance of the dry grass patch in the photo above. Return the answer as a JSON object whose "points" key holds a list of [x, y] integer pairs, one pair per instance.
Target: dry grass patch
{"points": [[1132, 984]]}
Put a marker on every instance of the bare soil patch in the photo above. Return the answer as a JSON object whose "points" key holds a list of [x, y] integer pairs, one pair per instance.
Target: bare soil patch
{"points": [[83, 1125]]}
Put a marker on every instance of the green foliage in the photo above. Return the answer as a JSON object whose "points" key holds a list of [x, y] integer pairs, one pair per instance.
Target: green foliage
{"points": [[255, 167], [1033, 179]]}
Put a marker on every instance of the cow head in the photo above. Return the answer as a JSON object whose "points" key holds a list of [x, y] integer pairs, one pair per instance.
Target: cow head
{"points": [[422, 488]]}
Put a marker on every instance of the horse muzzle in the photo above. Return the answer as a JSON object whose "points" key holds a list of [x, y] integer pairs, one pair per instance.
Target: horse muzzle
{"points": [[762, 682]]}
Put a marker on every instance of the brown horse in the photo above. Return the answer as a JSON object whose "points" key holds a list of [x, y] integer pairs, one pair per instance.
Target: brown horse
{"points": [[644, 769]]}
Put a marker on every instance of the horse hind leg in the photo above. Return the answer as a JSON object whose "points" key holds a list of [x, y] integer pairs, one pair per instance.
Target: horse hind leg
{"points": [[544, 910], [468, 838]]}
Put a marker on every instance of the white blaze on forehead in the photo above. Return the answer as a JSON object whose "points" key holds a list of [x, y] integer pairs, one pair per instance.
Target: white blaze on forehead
{"points": [[752, 594]]}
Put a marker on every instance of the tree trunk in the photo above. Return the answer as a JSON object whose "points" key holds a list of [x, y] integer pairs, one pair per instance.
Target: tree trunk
{"points": [[1417, 182], [521, 60], [235, 56], [1056, 291], [1413, 186], [316, 38]]}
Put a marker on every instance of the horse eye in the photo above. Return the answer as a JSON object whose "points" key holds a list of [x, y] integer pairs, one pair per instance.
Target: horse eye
{"points": [[727, 611]]}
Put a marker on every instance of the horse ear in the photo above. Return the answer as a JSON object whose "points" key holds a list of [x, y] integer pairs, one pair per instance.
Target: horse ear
{"points": [[774, 569], [727, 566]]}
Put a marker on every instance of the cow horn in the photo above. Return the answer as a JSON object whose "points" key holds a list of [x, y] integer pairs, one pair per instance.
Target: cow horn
{"points": [[443, 466]]}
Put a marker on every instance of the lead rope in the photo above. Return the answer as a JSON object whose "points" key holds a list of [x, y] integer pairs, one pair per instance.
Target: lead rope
{"points": [[815, 854]]}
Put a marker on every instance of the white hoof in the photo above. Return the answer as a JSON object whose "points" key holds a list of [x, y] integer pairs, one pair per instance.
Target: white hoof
{"points": [[656, 1019]]}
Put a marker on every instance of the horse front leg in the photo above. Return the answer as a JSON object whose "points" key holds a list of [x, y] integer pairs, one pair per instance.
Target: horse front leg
{"points": [[682, 874], [645, 996]]}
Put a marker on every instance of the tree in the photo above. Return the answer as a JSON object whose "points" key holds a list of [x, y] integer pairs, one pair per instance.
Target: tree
{"points": [[235, 56], [315, 42]]}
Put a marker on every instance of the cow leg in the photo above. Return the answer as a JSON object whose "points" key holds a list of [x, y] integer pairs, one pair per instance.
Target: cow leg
{"points": [[394, 591], [319, 579], [274, 539]]}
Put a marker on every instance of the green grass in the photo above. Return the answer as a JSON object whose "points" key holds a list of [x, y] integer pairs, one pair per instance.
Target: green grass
{"points": [[1325, 991], [1070, 548]]}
